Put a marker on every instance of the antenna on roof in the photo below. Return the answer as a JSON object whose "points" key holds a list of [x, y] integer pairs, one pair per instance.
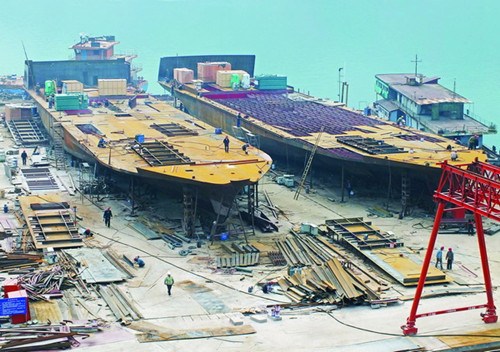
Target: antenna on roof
{"points": [[454, 87], [416, 64]]}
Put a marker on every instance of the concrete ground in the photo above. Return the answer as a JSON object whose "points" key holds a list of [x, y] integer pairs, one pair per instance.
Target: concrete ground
{"points": [[203, 297]]}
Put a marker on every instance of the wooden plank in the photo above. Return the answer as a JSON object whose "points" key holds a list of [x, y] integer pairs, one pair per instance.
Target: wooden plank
{"points": [[154, 333], [44, 311]]}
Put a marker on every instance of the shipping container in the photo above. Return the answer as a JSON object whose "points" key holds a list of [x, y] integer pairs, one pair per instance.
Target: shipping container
{"points": [[72, 86], [207, 71], [224, 77], [18, 111], [72, 101], [271, 82], [112, 86], [183, 75]]}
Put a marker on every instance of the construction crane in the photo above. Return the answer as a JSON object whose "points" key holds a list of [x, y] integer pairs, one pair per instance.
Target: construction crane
{"points": [[308, 164], [474, 187]]}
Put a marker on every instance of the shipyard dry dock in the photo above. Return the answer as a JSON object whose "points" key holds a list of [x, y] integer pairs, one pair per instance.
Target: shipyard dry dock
{"points": [[342, 277]]}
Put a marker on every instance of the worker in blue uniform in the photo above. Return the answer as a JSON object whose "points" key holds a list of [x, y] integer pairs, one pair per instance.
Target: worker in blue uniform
{"points": [[138, 260]]}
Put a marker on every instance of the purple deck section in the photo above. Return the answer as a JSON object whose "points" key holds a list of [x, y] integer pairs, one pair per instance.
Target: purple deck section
{"points": [[77, 112], [211, 88], [343, 153], [417, 136], [217, 94], [299, 118]]}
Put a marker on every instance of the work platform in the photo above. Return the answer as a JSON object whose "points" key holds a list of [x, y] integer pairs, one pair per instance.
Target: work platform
{"points": [[40, 179], [51, 222], [27, 132], [383, 250]]}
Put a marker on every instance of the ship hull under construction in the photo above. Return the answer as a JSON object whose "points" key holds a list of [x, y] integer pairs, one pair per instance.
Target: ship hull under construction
{"points": [[288, 124], [281, 148], [193, 157]]}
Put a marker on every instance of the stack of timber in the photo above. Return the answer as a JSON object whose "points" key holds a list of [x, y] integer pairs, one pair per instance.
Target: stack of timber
{"points": [[325, 276], [12, 263], [240, 255]]}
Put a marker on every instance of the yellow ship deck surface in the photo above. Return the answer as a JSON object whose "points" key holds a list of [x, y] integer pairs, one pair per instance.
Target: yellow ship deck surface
{"points": [[409, 271], [176, 145], [415, 151]]}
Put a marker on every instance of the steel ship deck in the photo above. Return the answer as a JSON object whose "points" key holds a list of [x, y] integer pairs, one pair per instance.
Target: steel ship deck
{"points": [[290, 122], [177, 149]]}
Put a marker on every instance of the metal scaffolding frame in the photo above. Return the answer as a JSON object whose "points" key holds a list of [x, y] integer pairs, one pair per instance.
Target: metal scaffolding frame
{"points": [[474, 187]]}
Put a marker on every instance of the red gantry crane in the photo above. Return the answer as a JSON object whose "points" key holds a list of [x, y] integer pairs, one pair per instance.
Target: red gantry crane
{"points": [[474, 187]]}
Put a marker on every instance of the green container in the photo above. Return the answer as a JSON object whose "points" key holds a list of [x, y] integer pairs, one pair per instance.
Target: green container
{"points": [[235, 81], [271, 82], [76, 101], [50, 88]]}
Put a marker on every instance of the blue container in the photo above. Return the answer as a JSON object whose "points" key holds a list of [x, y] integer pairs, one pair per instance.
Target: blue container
{"points": [[218, 130], [139, 138]]}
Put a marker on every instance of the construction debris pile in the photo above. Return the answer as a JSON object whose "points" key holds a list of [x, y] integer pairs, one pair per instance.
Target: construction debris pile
{"points": [[46, 337], [18, 263], [318, 274], [46, 284]]}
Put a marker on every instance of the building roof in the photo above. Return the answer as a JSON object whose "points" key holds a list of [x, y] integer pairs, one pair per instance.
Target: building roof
{"points": [[388, 105], [424, 93], [87, 45]]}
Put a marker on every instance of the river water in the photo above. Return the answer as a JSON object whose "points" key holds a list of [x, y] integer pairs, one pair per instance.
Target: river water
{"points": [[306, 40]]}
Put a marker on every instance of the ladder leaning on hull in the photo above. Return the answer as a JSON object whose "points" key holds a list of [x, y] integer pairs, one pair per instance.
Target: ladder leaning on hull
{"points": [[308, 165]]}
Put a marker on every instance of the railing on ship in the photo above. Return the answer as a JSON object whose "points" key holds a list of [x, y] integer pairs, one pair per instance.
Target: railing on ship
{"points": [[485, 127], [492, 128]]}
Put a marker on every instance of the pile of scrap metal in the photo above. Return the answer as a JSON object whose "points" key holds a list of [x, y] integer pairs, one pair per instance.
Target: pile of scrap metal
{"points": [[18, 263], [318, 274], [49, 282], [240, 255], [328, 284], [46, 284], [175, 240], [45, 337]]}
